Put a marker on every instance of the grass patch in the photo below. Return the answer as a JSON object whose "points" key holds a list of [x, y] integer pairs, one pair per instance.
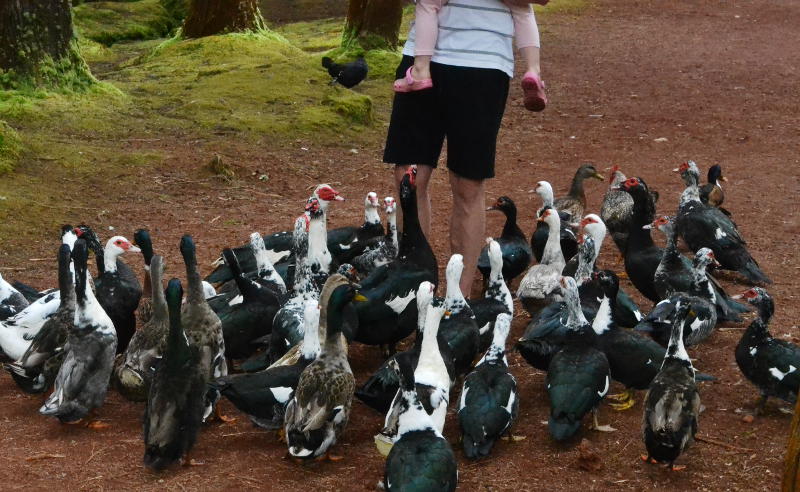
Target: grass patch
{"points": [[111, 22], [10, 147]]}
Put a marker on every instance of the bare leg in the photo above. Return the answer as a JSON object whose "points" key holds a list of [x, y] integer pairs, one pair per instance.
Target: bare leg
{"points": [[423, 196], [467, 225]]}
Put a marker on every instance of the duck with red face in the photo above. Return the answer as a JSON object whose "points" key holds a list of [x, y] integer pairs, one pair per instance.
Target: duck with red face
{"points": [[118, 290]]}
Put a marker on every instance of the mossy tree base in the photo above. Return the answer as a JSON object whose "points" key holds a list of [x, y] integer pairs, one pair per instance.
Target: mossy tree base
{"points": [[210, 17], [37, 46], [373, 24]]}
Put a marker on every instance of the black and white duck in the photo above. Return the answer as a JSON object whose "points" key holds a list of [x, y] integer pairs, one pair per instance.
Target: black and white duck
{"points": [[118, 290], [569, 245], [578, 377], [674, 274], [496, 298], [459, 327], [278, 246], [574, 203], [634, 360], [250, 319], [702, 317], [672, 404], [711, 193], [202, 326], [82, 380], [704, 226], [348, 242], [421, 459], [176, 399], [772, 365], [381, 250], [489, 402], [381, 388], [389, 315], [263, 395], [617, 209], [431, 377], [319, 410], [36, 370], [517, 252], [142, 240], [540, 286], [134, 370], [319, 259], [11, 300]]}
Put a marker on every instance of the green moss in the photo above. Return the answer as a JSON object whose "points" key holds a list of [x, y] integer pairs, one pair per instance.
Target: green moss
{"points": [[69, 73], [111, 22], [353, 106], [317, 36], [10, 147]]}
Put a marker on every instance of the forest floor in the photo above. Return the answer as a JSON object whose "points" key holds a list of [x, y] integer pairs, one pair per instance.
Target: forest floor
{"points": [[642, 84]]}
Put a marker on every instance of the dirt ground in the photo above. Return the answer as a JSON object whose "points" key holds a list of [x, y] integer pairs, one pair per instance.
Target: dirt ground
{"points": [[642, 84]]}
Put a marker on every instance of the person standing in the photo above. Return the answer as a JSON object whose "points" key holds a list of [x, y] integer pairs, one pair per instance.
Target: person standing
{"points": [[471, 68]]}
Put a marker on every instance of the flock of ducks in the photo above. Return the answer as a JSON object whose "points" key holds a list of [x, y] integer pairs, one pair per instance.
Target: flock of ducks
{"points": [[287, 305]]}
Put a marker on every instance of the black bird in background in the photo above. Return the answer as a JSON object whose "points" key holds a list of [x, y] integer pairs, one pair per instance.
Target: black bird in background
{"points": [[348, 74]]}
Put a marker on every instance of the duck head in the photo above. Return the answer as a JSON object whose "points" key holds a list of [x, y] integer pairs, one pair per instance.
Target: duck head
{"points": [[389, 205], [715, 175], [587, 171], [662, 223], [68, 235], [408, 184], [615, 176], [115, 247], [594, 226], [705, 258], [371, 205], [325, 193], [608, 283], [92, 240], [504, 204], [188, 250], [348, 271], [141, 238], [495, 254], [689, 173], [314, 208], [545, 191], [760, 299], [550, 217]]}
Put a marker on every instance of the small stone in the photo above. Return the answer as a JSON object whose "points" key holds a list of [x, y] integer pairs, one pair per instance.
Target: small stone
{"points": [[660, 139], [748, 419]]}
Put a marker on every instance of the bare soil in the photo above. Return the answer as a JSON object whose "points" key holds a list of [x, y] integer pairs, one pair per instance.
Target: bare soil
{"points": [[642, 84]]}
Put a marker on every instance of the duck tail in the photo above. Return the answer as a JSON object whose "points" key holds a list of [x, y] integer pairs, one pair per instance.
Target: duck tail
{"points": [[701, 376], [753, 273], [28, 292]]}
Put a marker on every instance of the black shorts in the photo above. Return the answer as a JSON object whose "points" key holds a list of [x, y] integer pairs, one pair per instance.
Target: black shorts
{"points": [[465, 105]]}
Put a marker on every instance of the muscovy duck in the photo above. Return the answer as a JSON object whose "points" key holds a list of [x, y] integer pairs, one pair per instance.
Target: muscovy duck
{"points": [[574, 203], [141, 239], [381, 388], [118, 290], [345, 243], [203, 328], [674, 274], [431, 378], [496, 299], [578, 377], [319, 410], [772, 365], [250, 319], [421, 459], [388, 315], [459, 328], [380, 250], [134, 370], [263, 395], [569, 245], [617, 209], [634, 360], [703, 226], [711, 193], [540, 285], [489, 402], [36, 370], [11, 300], [279, 246], [82, 380], [672, 404], [513, 243], [701, 318], [176, 399]]}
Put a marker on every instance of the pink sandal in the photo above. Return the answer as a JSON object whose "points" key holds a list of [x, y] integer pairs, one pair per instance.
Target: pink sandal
{"points": [[409, 84], [533, 92]]}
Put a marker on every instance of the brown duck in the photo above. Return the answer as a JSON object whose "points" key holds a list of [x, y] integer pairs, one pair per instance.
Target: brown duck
{"points": [[575, 201]]}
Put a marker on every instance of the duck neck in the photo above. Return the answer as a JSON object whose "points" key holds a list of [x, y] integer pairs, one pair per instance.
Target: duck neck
{"points": [[497, 289], [318, 243], [429, 356], [160, 309], [700, 282], [414, 418], [511, 229], [110, 256], [194, 292], [576, 190], [676, 350], [334, 340], [412, 236], [454, 298], [642, 215], [66, 283], [552, 254], [586, 261], [497, 350], [692, 191], [575, 317], [391, 229], [371, 215], [266, 270], [604, 319], [311, 337]]}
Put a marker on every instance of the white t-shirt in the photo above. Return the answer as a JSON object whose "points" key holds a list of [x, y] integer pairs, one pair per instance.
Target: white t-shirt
{"points": [[473, 33]]}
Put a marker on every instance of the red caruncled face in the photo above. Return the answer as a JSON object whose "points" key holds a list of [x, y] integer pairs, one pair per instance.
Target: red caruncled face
{"points": [[630, 183], [327, 193]]}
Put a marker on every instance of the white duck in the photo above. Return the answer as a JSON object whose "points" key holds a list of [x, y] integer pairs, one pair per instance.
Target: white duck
{"points": [[541, 283]]}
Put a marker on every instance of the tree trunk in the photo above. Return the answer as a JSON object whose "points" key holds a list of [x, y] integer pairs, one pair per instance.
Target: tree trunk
{"points": [[373, 24], [209, 17], [38, 47], [791, 470]]}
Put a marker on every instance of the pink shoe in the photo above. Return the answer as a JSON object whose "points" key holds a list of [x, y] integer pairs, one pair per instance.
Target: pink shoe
{"points": [[409, 84], [533, 92]]}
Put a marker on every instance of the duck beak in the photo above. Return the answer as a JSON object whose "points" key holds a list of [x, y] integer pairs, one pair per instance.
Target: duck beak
{"points": [[738, 296], [647, 227], [338, 198], [359, 297], [676, 170], [599, 176], [491, 208], [134, 249], [723, 179]]}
